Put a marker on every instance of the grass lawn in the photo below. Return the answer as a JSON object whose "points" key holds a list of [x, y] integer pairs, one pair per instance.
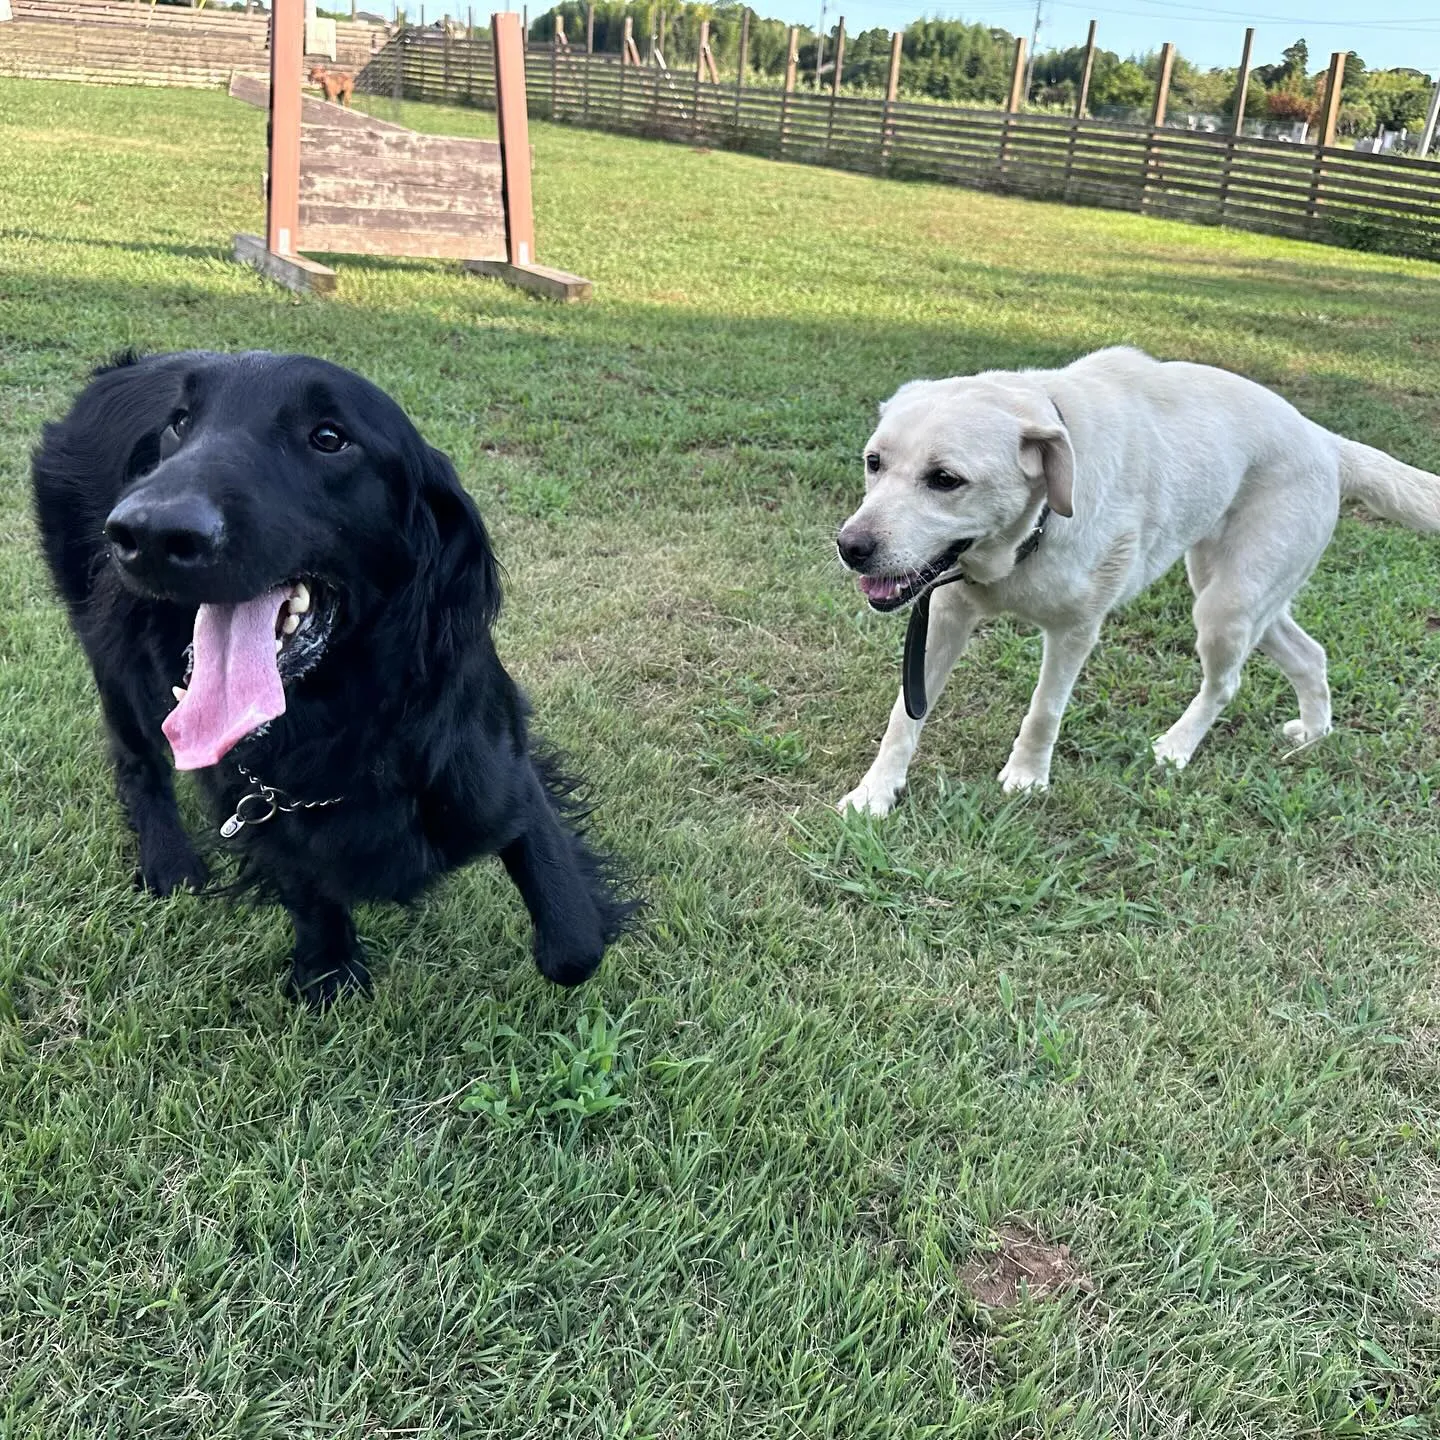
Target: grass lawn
{"points": [[752, 1180]]}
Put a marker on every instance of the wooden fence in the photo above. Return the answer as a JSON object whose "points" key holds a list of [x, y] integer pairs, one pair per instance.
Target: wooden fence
{"points": [[123, 43], [1325, 193]]}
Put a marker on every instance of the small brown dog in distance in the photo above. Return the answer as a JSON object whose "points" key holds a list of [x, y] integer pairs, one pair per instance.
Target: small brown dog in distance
{"points": [[337, 86]]}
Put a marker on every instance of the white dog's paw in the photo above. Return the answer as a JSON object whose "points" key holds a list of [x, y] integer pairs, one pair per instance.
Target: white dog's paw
{"points": [[1017, 775], [1172, 752], [868, 799], [1298, 733]]}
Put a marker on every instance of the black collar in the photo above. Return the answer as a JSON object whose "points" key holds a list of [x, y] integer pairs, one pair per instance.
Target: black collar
{"points": [[912, 667]]}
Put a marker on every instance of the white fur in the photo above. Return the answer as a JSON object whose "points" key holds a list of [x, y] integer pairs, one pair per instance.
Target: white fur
{"points": [[1165, 460]]}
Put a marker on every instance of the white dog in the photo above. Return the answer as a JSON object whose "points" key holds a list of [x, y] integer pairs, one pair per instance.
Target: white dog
{"points": [[1056, 495]]}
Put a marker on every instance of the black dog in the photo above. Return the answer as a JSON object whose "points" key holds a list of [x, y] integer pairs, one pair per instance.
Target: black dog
{"points": [[268, 540]]}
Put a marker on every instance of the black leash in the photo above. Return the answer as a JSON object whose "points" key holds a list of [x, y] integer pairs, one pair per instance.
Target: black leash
{"points": [[917, 632]]}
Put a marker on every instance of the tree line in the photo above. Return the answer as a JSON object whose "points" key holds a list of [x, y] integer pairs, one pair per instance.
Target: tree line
{"points": [[971, 63]]}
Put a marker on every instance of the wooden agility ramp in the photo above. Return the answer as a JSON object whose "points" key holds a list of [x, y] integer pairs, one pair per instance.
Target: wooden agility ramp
{"points": [[340, 182]]}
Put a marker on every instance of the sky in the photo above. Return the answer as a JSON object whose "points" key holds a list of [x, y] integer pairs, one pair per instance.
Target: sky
{"points": [[1400, 32]]}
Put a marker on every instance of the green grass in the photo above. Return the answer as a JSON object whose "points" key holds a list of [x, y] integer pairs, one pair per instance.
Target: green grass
{"points": [[1189, 1027]]}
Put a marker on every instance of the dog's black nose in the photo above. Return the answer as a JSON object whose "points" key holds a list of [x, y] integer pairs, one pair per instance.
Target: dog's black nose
{"points": [[855, 549], [171, 532]]}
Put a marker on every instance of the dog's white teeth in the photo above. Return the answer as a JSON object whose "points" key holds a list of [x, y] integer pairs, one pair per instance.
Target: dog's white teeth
{"points": [[299, 602], [291, 624], [177, 692], [279, 644]]}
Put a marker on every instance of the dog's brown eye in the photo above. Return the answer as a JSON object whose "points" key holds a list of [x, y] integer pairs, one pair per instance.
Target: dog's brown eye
{"points": [[945, 480], [872, 463], [329, 438], [180, 424]]}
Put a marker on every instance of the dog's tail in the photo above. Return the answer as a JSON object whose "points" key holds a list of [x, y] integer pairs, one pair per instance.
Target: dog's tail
{"points": [[1393, 490]]}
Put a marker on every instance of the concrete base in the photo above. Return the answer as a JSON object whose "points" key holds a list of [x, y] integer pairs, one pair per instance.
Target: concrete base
{"points": [[539, 279], [294, 272]]}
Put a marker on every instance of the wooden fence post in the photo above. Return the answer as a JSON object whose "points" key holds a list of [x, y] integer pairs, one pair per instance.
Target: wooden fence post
{"points": [[1237, 120], [445, 56], [589, 60], [1083, 98], [1162, 86], [1013, 103], [835, 83], [699, 72], [514, 126], [1427, 136], [556, 35], [1154, 165], [743, 61], [792, 54], [1329, 115], [892, 88], [402, 39], [1242, 84]]}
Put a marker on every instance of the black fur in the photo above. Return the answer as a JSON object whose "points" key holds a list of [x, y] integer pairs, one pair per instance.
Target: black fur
{"points": [[408, 714]]}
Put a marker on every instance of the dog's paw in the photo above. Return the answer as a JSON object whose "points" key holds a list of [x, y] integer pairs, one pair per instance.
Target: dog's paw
{"points": [[868, 800], [1298, 733], [320, 981], [1170, 753], [1019, 776], [164, 869]]}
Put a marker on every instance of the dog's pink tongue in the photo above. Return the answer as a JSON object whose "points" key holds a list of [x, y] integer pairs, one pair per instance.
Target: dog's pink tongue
{"points": [[879, 587], [234, 684]]}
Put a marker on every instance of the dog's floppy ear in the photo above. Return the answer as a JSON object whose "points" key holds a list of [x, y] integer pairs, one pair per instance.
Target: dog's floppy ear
{"points": [[1046, 453], [464, 578]]}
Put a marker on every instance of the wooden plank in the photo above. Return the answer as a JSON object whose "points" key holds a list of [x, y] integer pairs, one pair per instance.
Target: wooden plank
{"points": [[538, 279], [420, 245], [254, 90], [1242, 84], [293, 271]]}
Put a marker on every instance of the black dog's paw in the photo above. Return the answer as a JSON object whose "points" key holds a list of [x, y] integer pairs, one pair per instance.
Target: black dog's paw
{"points": [[569, 959], [320, 980], [167, 868]]}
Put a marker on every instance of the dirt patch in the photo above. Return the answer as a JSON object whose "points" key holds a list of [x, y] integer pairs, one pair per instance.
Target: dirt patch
{"points": [[1024, 1264]]}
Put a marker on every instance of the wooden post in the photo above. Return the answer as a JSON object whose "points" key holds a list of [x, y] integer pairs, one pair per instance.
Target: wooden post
{"points": [[1330, 111], [470, 55], [819, 55], [792, 54], [514, 126], [445, 54], [1162, 86], [555, 37], [743, 61], [892, 88], [1154, 170], [1427, 136], [1017, 77], [402, 39], [1329, 115], [835, 84], [1013, 103], [700, 53], [287, 54], [1083, 98], [1242, 85], [589, 29], [277, 255]]}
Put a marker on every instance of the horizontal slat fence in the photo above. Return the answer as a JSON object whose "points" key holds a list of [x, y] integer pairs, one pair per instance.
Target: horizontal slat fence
{"points": [[1378, 202], [121, 43]]}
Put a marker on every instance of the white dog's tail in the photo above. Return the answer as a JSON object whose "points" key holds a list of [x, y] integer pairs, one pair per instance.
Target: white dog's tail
{"points": [[1393, 490]]}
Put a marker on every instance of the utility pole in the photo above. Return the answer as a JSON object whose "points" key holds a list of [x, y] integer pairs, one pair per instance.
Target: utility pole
{"points": [[819, 46], [1034, 39]]}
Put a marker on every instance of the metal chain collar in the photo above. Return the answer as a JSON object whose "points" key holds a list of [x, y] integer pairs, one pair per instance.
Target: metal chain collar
{"points": [[263, 804]]}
